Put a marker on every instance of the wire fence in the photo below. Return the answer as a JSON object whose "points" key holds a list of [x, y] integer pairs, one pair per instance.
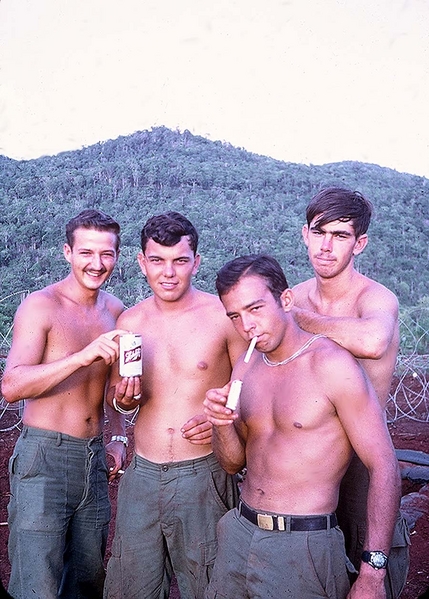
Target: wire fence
{"points": [[409, 396]]}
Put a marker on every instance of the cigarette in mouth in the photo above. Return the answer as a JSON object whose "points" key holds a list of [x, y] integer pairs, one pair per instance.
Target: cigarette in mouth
{"points": [[250, 349]]}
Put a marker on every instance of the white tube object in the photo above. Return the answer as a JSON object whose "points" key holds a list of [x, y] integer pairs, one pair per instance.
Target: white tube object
{"points": [[234, 394], [250, 349]]}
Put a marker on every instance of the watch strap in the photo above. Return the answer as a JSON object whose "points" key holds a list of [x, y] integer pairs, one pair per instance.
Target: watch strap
{"points": [[120, 438]]}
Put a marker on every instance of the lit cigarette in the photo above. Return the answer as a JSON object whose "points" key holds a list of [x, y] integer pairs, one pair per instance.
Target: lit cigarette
{"points": [[121, 471], [250, 349]]}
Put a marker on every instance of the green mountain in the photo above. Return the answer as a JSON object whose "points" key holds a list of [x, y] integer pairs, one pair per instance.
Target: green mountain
{"points": [[240, 202]]}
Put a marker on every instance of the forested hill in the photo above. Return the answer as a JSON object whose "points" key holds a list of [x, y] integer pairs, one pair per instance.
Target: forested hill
{"points": [[239, 201]]}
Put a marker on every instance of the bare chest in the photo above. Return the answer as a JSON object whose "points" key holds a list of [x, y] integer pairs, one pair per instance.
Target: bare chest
{"points": [[184, 348], [288, 400], [73, 329]]}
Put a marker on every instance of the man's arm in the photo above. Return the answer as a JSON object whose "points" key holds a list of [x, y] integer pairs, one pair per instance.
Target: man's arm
{"points": [[117, 386], [364, 423], [228, 443], [25, 375], [367, 336], [115, 449]]}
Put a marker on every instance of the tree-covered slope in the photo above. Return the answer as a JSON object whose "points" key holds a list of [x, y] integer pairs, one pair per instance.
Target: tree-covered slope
{"points": [[239, 201]]}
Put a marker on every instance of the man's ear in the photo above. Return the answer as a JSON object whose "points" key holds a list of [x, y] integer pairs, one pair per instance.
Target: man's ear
{"points": [[304, 231], [287, 300], [197, 262], [360, 244], [142, 262], [67, 252]]}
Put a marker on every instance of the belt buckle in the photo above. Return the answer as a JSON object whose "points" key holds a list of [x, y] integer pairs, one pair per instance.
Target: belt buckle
{"points": [[265, 521]]}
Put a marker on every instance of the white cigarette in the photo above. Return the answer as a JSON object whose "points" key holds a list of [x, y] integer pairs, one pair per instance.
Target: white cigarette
{"points": [[250, 349]]}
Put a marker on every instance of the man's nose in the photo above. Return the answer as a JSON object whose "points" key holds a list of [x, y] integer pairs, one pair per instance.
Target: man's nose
{"points": [[169, 270], [247, 323], [326, 243], [96, 262]]}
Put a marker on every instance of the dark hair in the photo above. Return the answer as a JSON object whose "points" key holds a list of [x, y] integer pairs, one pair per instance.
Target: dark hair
{"points": [[167, 229], [336, 203], [261, 265], [92, 219]]}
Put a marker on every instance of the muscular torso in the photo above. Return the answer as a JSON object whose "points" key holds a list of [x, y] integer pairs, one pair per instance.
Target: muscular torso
{"points": [[185, 352], [379, 371], [75, 406], [291, 428]]}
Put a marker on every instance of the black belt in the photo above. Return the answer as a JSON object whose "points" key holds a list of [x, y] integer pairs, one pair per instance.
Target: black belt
{"points": [[287, 523]]}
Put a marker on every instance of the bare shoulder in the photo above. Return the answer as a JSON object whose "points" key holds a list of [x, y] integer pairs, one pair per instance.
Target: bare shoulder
{"points": [[372, 294], [301, 292], [36, 316], [113, 303], [140, 312], [209, 307], [343, 380], [209, 301], [43, 301], [329, 359]]}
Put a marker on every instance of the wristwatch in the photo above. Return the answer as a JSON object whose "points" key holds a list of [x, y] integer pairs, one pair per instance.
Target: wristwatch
{"points": [[121, 438], [376, 559]]}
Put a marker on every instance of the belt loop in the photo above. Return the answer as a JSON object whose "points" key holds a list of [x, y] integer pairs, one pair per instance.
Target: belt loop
{"points": [[59, 439], [288, 521], [240, 503], [328, 524], [24, 431]]}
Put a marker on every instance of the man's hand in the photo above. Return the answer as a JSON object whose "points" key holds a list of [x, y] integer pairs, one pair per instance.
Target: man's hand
{"points": [[117, 451], [369, 584], [128, 392], [102, 348], [198, 430], [214, 406]]}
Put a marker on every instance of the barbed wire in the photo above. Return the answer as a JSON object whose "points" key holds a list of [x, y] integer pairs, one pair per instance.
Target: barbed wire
{"points": [[10, 415], [409, 396]]}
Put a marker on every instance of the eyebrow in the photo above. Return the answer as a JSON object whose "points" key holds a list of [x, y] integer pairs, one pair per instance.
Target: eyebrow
{"points": [[247, 306], [84, 249], [334, 232], [162, 258]]}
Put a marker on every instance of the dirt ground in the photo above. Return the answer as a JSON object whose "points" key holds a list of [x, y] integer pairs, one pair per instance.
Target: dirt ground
{"points": [[406, 434]]}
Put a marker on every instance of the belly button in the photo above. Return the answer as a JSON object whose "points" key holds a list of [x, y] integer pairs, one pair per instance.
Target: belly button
{"points": [[171, 431]]}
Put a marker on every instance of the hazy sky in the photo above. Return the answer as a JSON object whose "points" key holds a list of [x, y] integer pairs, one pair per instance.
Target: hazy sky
{"points": [[310, 81]]}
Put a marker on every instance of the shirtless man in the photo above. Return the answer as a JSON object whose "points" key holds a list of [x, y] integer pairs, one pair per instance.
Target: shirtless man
{"points": [[305, 405], [62, 348], [362, 316], [174, 492]]}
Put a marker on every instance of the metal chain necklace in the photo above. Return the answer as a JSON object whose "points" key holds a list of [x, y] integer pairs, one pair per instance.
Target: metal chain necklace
{"points": [[293, 356]]}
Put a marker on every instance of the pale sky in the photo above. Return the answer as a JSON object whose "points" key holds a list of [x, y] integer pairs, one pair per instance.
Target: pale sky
{"points": [[308, 81]]}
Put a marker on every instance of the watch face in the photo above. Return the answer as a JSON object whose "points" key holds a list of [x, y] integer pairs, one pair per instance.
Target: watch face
{"points": [[378, 559]]}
